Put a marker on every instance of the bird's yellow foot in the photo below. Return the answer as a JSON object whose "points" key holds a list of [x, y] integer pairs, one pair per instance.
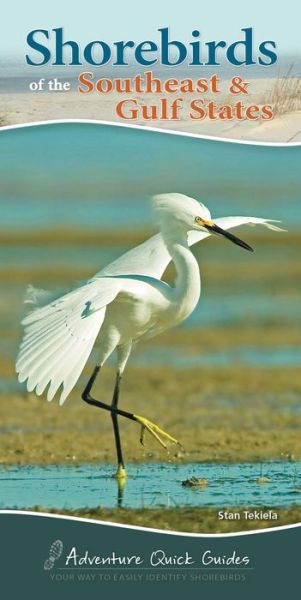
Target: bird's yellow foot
{"points": [[120, 474], [155, 431]]}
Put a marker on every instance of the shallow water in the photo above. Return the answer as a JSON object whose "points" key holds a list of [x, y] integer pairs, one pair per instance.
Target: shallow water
{"points": [[151, 485]]}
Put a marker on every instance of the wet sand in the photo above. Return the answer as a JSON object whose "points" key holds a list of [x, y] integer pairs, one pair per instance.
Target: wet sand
{"points": [[227, 414]]}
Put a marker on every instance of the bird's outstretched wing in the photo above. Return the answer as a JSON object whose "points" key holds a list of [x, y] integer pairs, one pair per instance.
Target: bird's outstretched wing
{"points": [[151, 258], [58, 338]]}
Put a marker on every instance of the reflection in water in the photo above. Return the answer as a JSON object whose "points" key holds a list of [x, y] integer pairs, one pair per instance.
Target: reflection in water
{"points": [[121, 483], [271, 483]]}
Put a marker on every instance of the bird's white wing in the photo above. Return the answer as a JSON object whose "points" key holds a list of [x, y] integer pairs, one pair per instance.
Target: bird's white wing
{"points": [[151, 258], [145, 259], [58, 338]]}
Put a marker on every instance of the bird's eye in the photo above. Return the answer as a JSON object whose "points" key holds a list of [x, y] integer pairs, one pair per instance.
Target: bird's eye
{"points": [[198, 220]]}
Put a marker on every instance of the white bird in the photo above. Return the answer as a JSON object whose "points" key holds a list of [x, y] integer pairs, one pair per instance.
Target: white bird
{"points": [[124, 303]]}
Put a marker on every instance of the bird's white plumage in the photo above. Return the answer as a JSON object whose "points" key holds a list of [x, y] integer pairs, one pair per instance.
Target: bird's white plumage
{"points": [[59, 337], [183, 208]]}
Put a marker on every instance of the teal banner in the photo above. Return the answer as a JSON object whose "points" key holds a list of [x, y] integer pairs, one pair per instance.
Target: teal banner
{"points": [[46, 556]]}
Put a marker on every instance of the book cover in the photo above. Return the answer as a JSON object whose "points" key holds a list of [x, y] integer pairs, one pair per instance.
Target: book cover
{"points": [[150, 313]]}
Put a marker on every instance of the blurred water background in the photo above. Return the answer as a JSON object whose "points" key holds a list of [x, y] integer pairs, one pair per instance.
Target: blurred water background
{"points": [[73, 197]]}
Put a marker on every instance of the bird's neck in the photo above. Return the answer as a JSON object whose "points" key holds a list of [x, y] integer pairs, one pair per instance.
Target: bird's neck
{"points": [[187, 287]]}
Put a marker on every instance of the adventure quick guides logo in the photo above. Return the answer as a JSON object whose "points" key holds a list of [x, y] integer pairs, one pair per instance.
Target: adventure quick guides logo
{"points": [[155, 566]]}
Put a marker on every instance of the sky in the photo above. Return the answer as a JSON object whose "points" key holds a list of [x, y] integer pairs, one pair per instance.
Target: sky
{"points": [[139, 20]]}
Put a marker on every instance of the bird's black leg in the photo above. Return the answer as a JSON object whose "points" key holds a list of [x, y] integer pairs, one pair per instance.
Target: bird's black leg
{"points": [[120, 470], [159, 434], [113, 408], [110, 407]]}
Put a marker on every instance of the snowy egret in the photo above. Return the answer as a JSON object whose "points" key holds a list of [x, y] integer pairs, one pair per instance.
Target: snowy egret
{"points": [[125, 302]]}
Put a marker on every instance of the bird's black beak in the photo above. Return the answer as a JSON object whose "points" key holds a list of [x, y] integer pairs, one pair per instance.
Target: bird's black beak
{"points": [[212, 228]]}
